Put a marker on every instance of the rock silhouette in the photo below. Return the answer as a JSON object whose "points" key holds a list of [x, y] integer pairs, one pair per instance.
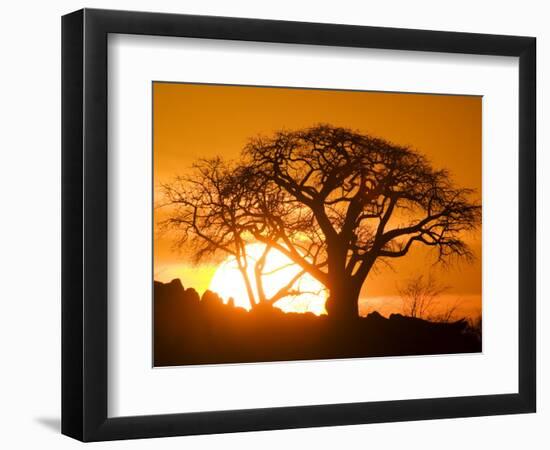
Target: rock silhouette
{"points": [[190, 330]]}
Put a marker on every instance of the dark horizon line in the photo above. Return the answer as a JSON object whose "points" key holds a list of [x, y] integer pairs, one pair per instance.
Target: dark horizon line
{"points": [[226, 303]]}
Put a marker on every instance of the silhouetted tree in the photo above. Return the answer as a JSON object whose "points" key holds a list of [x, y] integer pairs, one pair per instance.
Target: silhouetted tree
{"points": [[334, 201], [419, 296]]}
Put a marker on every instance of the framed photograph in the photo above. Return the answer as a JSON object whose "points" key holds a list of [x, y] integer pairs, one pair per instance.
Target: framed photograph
{"points": [[273, 224]]}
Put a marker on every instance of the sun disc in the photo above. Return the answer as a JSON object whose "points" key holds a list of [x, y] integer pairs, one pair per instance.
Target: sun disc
{"points": [[228, 282]]}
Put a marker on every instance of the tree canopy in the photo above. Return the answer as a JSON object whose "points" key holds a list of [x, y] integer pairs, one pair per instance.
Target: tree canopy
{"points": [[333, 200]]}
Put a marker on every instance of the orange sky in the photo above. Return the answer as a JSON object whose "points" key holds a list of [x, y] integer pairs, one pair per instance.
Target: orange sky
{"points": [[194, 120]]}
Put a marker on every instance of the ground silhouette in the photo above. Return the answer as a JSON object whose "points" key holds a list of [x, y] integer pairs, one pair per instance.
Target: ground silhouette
{"points": [[190, 330]]}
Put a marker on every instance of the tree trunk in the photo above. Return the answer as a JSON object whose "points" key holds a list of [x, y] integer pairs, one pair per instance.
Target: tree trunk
{"points": [[343, 302]]}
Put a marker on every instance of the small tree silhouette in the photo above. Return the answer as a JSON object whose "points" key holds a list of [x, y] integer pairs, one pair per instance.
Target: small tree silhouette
{"points": [[419, 296], [334, 201]]}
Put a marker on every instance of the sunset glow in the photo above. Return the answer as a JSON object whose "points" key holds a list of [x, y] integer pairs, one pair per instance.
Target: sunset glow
{"points": [[204, 121], [309, 224], [279, 270]]}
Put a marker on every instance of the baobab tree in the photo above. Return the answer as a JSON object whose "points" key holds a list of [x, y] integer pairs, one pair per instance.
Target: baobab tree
{"points": [[334, 201]]}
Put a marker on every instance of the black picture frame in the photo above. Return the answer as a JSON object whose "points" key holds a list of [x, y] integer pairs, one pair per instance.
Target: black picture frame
{"points": [[84, 224]]}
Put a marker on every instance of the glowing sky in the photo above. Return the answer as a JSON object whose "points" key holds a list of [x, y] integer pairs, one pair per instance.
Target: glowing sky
{"points": [[193, 120]]}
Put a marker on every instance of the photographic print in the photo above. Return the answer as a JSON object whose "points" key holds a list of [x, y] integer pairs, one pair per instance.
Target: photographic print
{"points": [[300, 223]]}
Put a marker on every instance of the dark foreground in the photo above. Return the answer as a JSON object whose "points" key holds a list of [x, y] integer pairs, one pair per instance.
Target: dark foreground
{"points": [[190, 330]]}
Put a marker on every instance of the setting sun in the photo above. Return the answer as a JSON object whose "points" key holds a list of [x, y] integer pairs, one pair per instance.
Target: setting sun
{"points": [[278, 271]]}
